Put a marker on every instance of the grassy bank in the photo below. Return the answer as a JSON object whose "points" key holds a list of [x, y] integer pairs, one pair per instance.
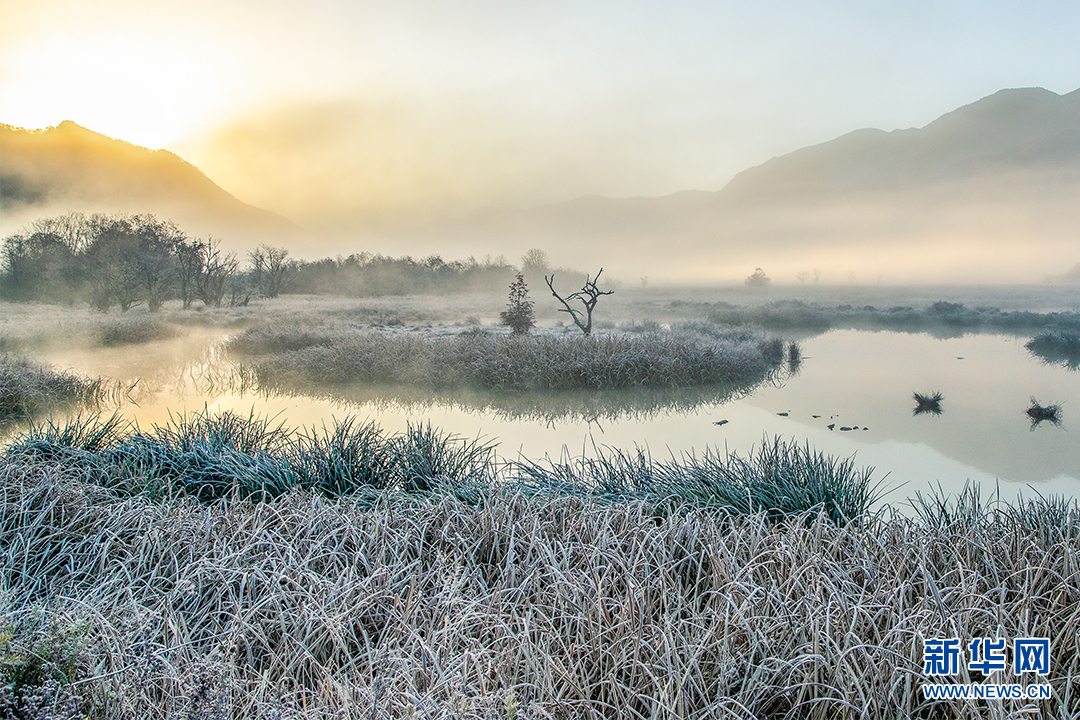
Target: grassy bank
{"points": [[28, 388], [44, 326], [946, 318], [565, 607], [211, 457], [690, 355]]}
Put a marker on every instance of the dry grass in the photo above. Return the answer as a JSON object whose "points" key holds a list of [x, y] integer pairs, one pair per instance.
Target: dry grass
{"points": [[311, 608], [41, 326]]}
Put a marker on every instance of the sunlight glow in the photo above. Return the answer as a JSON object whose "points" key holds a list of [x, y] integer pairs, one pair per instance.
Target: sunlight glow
{"points": [[151, 91]]}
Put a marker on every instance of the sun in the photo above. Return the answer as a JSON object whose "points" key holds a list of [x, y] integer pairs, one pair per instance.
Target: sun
{"points": [[148, 90]]}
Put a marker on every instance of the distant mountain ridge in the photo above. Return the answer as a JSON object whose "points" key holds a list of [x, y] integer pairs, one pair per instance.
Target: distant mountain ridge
{"points": [[1002, 173], [1012, 130], [68, 167]]}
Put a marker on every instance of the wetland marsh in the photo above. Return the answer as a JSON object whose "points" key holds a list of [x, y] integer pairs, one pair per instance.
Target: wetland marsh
{"points": [[545, 540]]}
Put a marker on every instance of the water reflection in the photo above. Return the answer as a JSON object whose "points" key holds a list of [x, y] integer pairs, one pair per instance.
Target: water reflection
{"points": [[592, 407]]}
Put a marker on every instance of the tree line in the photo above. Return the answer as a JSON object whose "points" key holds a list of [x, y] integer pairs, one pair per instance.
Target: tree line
{"points": [[118, 260], [128, 260]]}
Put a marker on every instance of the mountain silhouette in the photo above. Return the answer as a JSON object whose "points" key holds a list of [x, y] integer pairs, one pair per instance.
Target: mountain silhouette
{"points": [[1022, 130], [68, 167], [991, 180]]}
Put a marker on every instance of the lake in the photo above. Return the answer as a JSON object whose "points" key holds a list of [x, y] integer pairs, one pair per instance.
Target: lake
{"points": [[847, 378]]}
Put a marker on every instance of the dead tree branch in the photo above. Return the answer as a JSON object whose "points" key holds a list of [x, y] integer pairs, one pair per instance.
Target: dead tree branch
{"points": [[589, 295]]}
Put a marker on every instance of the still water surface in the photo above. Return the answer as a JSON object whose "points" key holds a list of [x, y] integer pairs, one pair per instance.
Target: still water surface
{"points": [[849, 378]]}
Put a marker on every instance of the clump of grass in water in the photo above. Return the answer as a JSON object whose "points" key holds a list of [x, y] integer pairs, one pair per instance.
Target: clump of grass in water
{"points": [[928, 403], [28, 387], [682, 357], [1060, 348], [1043, 413]]}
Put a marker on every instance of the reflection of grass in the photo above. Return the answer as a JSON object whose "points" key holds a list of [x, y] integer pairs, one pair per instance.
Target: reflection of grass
{"points": [[545, 407], [555, 607], [1059, 348], [941, 318], [690, 356], [930, 403], [27, 388]]}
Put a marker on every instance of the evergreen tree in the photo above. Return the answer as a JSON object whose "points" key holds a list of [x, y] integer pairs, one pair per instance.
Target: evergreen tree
{"points": [[519, 310]]}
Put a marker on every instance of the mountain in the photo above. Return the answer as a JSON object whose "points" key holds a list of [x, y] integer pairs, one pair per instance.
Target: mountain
{"points": [[68, 167], [987, 192], [1023, 130]]}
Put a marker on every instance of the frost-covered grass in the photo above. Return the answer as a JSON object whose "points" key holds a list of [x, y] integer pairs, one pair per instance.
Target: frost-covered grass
{"points": [[214, 456], [692, 355], [1059, 348], [561, 606], [28, 387]]}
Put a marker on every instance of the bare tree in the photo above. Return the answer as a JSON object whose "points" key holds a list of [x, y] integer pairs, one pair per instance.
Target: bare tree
{"points": [[73, 229], [217, 269], [589, 295], [817, 275], [535, 261], [802, 275], [271, 269], [190, 256]]}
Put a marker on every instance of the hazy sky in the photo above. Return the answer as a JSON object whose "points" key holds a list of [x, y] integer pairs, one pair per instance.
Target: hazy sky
{"points": [[366, 112]]}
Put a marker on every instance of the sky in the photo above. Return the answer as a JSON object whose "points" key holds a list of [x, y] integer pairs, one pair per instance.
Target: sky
{"points": [[378, 113]]}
